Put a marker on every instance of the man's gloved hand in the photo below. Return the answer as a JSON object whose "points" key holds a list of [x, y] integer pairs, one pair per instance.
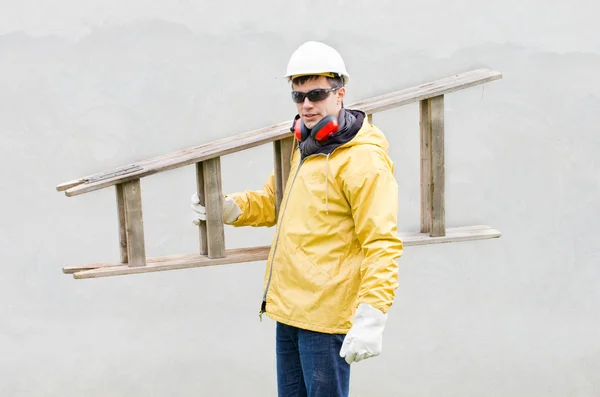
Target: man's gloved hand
{"points": [[365, 338], [231, 211]]}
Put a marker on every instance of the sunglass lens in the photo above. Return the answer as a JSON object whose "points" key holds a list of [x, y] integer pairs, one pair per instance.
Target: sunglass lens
{"points": [[317, 95], [298, 97], [314, 96]]}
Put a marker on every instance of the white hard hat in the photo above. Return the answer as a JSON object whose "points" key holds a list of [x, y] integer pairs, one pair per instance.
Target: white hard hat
{"points": [[316, 58]]}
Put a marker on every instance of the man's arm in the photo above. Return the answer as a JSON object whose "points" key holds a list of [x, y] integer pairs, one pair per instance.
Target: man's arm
{"points": [[257, 206], [372, 192], [373, 197]]}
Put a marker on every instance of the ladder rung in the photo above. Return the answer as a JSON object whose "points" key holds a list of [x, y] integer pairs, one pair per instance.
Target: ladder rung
{"points": [[122, 222], [282, 153], [433, 212], [134, 223], [213, 194], [202, 200]]}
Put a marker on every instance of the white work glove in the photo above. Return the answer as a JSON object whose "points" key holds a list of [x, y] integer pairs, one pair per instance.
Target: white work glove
{"points": [[365, 338], [231, 211]]}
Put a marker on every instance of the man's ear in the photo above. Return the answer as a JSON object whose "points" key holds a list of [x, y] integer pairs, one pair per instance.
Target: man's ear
{"points": [[341, 93]]}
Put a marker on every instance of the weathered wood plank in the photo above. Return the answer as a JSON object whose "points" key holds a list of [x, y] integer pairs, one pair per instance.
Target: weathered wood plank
{"points": [[213, 193], [241, 255], [180, 262], [136, 251], [99, 265], [438, 205], [69, 184], [122, 222], [453, 235], [202, 199], [282, 154], [278, 175], [429, 90], [425, 132], [287, 147], [281, 130]]}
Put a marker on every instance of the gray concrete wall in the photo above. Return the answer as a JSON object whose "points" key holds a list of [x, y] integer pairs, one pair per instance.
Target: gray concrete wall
{"points": [[87, 86]]}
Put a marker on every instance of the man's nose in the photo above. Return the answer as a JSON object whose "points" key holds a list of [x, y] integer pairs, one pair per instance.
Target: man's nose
{"points": [[307, 103]]}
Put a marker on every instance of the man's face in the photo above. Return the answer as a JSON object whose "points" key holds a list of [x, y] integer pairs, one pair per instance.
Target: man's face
{"points": [[313, 112]]}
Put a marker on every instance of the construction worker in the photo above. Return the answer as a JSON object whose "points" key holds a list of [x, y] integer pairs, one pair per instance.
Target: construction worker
{"points": [[331, 274]]}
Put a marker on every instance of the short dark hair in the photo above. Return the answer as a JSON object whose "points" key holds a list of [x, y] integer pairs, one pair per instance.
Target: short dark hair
{"points": [[335, 82]]}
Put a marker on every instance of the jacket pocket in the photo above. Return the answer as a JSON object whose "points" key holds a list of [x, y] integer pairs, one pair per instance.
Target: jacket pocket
{"points": [[313, 273]]}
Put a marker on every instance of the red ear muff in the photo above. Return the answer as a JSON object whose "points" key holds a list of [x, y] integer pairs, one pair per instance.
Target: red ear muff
{"points": [[325, 128], [320, 132], [299, 130]]}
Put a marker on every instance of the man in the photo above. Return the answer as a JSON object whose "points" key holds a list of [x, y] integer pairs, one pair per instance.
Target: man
{"points": [[331, 274]]}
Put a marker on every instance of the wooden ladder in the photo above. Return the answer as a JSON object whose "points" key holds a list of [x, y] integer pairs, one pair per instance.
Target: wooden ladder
{"points": [[207, 160]]}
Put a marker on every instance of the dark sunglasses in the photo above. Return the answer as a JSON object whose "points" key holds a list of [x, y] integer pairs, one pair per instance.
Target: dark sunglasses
{"points": [[314, 96]]}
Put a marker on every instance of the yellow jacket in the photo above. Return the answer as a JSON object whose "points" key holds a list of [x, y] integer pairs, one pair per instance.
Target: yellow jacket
{"points": [[336, 243]]}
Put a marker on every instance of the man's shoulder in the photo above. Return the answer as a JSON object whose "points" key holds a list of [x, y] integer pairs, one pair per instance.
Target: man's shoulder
{"points": [[366, 153], [363, 159]]}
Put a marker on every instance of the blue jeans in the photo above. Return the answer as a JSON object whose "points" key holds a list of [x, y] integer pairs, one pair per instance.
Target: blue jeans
{"points": [[309, 364]]}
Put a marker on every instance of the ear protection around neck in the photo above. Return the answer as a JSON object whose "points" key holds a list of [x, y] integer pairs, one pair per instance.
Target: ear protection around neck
{"points": [[320, 132]]}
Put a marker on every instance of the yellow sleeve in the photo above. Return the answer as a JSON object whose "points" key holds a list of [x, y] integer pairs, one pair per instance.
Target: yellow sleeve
{"points": [[373, 197], [258, 206]]}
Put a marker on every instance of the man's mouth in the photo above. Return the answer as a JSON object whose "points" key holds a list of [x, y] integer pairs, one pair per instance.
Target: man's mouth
{"points": [[310, 116]]}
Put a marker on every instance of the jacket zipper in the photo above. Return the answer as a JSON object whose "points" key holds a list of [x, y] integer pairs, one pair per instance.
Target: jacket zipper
{"points": [[263, 306]]}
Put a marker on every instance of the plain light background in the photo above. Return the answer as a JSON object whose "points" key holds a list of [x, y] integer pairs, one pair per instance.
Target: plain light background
{"points": [[86, 86]]}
